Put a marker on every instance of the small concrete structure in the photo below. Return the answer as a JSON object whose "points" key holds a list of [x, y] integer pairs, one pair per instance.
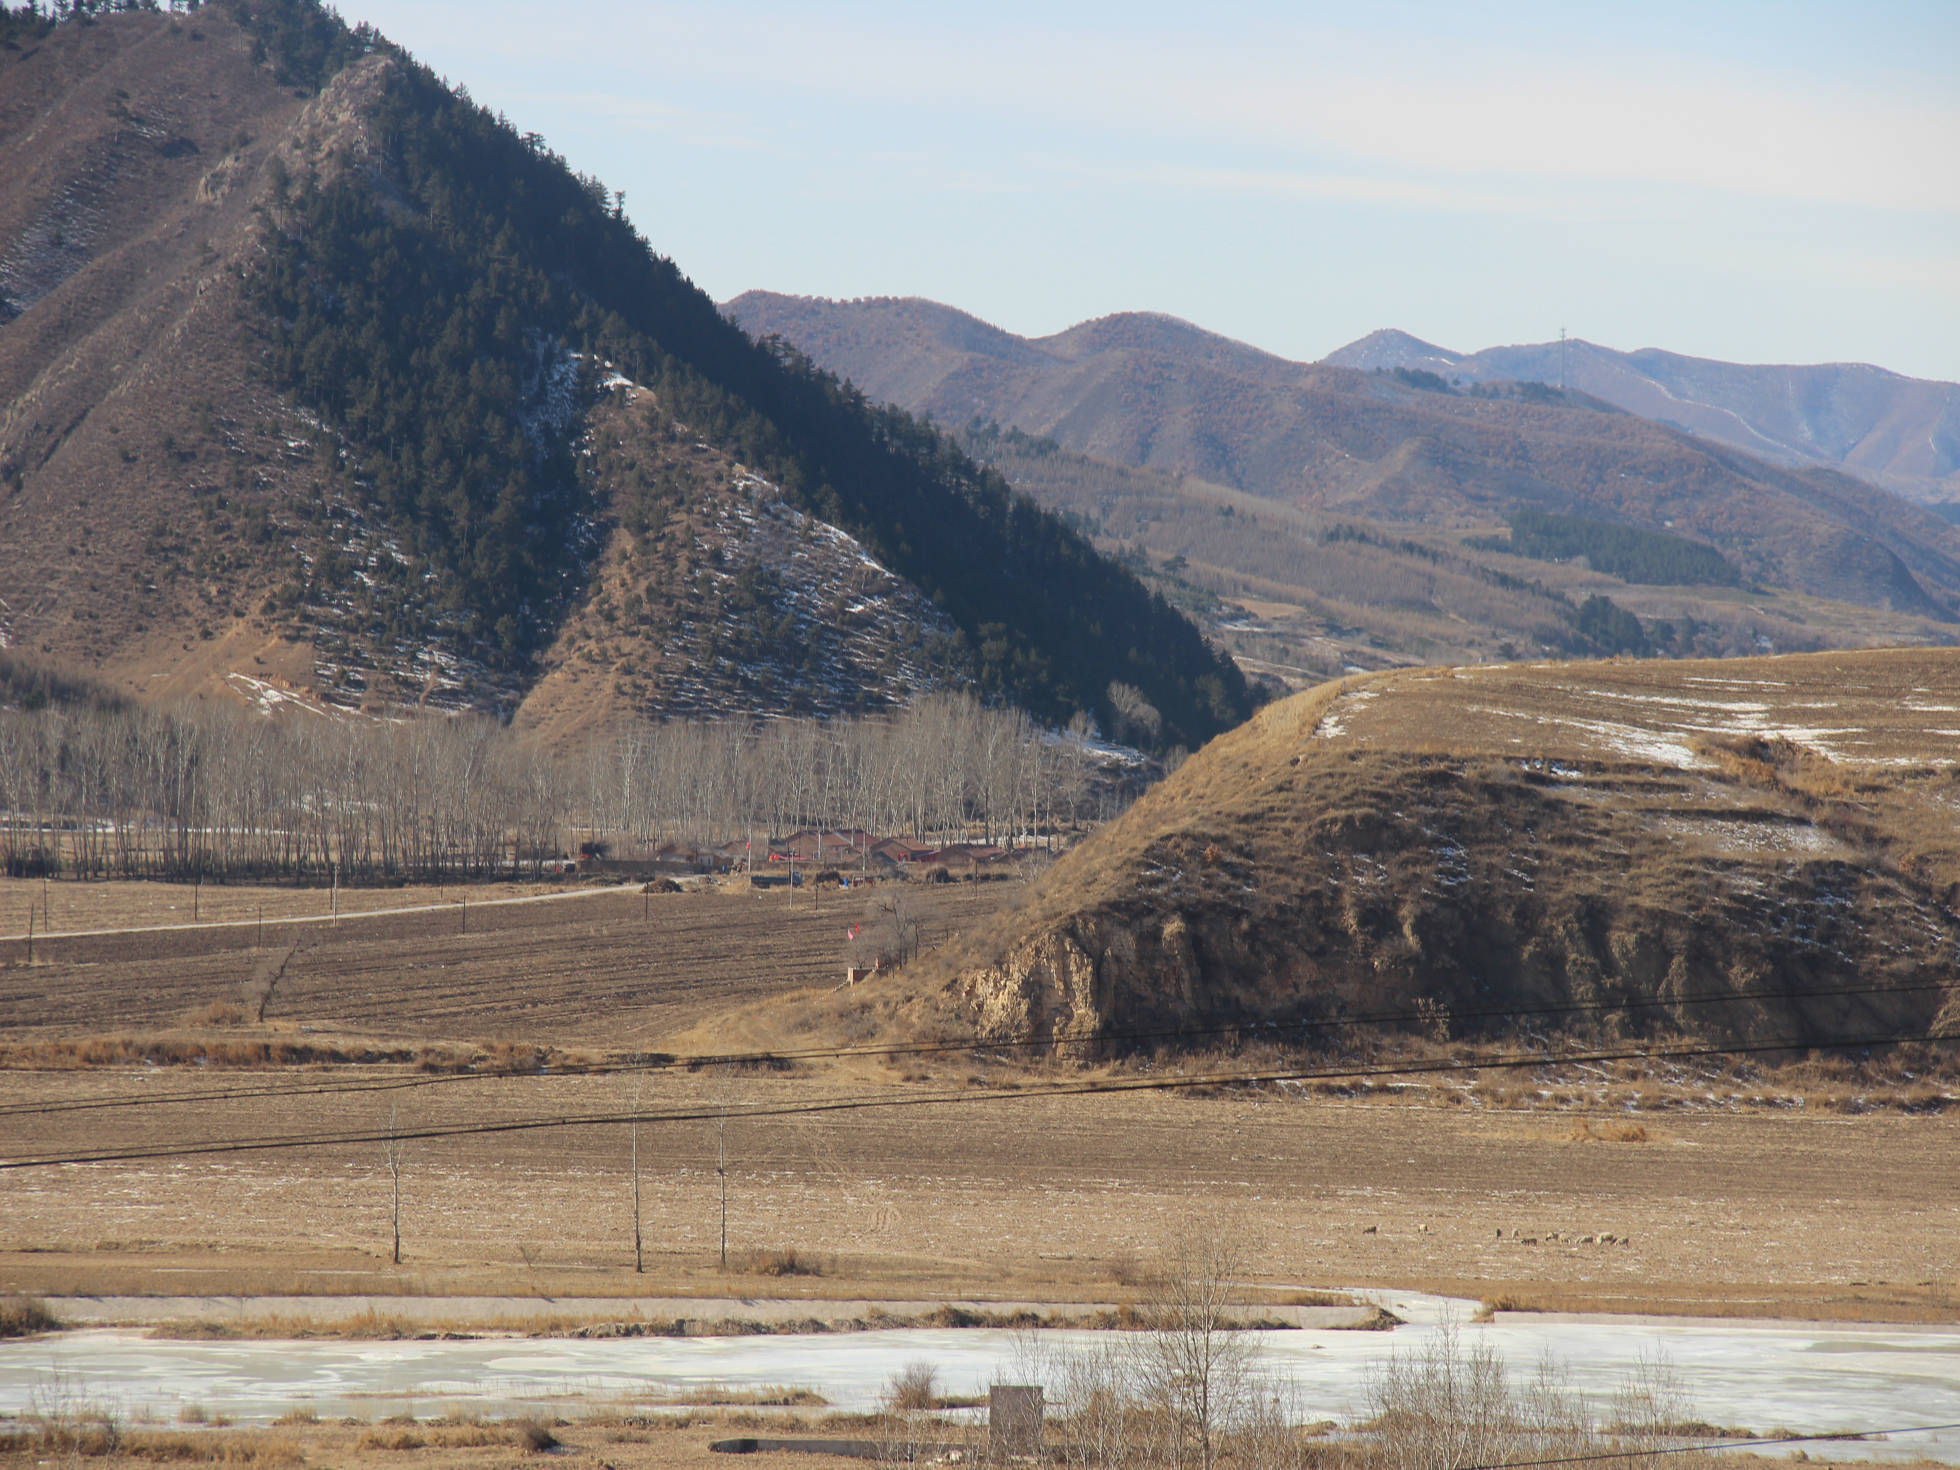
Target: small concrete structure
{"points": [[1014, 1415]]}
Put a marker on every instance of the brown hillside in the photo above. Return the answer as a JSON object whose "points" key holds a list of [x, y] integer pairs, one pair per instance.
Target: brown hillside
{"points": [[168, 522], [1899, 432], [1302, 596], [140, 458], [714, 596], [1676, 845], [174, 527], [1149, 390]]}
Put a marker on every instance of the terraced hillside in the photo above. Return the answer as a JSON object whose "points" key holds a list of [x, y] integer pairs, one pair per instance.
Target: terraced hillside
{"points": [[1762, 851]]}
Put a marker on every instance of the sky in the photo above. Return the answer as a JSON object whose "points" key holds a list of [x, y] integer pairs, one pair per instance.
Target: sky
{"points": [[1750, 182]]}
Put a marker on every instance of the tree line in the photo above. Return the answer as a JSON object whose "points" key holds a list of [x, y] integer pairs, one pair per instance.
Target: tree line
{"points": [[217, 793]]}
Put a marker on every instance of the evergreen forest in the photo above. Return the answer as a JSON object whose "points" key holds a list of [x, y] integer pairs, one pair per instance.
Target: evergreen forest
{"points": [[1626, 552]]}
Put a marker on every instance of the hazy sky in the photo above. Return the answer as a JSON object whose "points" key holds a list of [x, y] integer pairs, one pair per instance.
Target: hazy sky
{"points": [[1757, 182]]}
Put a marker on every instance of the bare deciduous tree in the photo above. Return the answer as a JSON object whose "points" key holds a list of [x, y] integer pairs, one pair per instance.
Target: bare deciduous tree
{"points": [[888, 934], [1195, 1364], [206, 792]]}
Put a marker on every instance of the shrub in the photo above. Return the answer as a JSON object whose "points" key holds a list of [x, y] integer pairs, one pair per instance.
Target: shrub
{"points": [[535, 1437], [914, 1386], [23, 1316], [777, 1263], [391, 1437]]}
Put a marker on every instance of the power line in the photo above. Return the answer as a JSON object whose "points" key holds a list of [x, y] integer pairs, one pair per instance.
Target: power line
{"points": [[1254, 1030], [1094, 1087]]}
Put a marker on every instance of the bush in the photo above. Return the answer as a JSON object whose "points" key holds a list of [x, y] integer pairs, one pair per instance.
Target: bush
{"points": [[23, 1316], [914, 1386], [535, 1437], [777, 1263]]}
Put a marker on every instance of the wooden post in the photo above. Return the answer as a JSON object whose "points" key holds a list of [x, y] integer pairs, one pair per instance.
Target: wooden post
{"points": [[463, 905], [197, 889], [261, 940], [30, 934], [333, 887]]}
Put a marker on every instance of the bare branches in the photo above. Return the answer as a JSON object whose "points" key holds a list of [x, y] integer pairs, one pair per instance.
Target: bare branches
{"points": [[207, 793]]}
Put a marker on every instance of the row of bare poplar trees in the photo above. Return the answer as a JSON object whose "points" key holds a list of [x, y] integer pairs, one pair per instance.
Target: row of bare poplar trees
{"points": [[219, 793]]}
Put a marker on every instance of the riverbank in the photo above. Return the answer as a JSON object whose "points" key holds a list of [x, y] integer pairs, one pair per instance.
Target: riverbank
{"points": [[1769, 1379]]}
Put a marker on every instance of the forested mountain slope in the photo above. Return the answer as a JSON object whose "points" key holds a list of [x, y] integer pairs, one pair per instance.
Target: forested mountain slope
{"points": [[1149, 390], [1899, 432], [305, 383]]}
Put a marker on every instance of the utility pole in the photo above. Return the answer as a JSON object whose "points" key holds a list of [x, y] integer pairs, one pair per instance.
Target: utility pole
{"points": [[639, 1254], [721, 1168]]}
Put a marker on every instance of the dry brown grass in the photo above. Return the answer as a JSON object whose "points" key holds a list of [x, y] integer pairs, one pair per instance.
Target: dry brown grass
{"points": [[1587, 1130], [406, 1433], [193, 1051], [102, 1437], [23, 1316], [715, 1395], [775, 1263]]}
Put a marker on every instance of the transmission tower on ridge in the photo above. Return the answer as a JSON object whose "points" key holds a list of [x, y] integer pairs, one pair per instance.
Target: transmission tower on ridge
{"points": [[1561, 359]]}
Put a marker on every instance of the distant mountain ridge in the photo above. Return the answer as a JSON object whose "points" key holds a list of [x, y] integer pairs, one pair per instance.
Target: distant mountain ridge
{"points": [[1899, 432], [1150, 390]]}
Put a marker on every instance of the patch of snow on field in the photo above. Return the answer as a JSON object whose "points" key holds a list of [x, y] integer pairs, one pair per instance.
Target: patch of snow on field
{"points": [[1680, 701], [1739, 683], [1334, 723], [269, 698], [1752, 837], [1627, 740]]}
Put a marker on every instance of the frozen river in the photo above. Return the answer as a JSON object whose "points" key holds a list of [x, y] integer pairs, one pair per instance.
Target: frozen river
{"points": [[1790, 1377]]}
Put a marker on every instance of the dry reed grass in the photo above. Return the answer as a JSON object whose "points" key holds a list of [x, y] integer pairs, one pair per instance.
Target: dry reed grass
{"points": [[101, 1437], [776, 1263], [775, 1396], [1585, 1130], [24, 1316]]}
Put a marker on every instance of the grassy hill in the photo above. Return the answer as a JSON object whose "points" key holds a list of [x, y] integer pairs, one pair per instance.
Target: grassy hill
{"points": [[1759, 851], [302, 377]]}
